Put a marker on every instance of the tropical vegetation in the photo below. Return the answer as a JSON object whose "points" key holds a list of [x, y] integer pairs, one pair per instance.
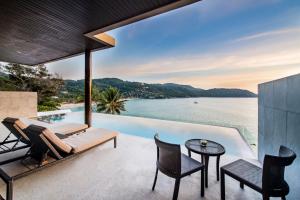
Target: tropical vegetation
{"points": [[111, 101], [16, 77]]}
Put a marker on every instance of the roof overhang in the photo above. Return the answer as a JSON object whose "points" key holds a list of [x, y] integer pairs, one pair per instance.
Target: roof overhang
{"points": [[35, 32], [143, 15], [104, 39]]}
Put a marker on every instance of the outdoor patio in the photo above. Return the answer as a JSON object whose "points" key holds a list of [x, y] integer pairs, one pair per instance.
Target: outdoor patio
{"points": [[126, 172], [42, 32]]}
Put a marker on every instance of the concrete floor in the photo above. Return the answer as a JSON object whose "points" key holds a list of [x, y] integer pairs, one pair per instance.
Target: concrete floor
{"points": [[126, 173]]}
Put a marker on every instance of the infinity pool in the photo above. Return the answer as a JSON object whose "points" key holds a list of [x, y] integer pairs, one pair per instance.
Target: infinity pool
{"points": [[171, 131]]}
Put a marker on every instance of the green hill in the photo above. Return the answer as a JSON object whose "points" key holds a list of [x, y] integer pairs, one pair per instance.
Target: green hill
{"points": [[152, 91]]}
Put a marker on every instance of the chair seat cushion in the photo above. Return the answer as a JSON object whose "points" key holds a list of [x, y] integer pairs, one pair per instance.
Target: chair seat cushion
{"points": [[245, 172], [189, 165], [90, 138]]}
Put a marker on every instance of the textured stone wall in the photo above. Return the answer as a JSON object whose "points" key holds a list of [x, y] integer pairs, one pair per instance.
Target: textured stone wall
{"points": [[18, 104], [279, 123]]}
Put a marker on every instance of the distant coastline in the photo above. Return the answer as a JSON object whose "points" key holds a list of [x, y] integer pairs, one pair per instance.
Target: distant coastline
{"points": [[70, 105], [76, 105], [74, 89]]}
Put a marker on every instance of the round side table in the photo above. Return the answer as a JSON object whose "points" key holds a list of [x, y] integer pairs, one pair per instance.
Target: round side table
{"points": [[211, 149]]}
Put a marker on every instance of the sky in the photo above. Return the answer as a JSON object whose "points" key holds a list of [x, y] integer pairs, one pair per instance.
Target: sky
{"points": [[209, 44]]}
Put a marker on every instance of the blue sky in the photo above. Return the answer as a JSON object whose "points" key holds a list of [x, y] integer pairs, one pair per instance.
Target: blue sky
{"points": [[212, 43]]}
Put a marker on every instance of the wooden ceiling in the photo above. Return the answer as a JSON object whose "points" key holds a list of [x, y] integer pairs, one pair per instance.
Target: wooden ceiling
{"points": [[39, 31]]}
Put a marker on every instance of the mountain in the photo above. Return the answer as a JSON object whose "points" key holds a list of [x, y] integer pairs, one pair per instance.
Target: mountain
{"points": [[152, 91]]}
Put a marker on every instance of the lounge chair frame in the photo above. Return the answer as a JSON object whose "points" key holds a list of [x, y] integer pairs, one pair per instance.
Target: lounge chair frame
{"points": [[5, 149], [51, 150], [21, 139]]}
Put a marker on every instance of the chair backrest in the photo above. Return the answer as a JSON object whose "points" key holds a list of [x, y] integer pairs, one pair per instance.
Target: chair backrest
{"points": [[273, 170], [168, 157], [44, 141], [39, 149], [16, 127]]}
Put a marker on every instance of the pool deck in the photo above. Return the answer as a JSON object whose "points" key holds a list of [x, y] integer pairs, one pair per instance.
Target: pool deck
{"points": [[127, 173], [124, 173]]}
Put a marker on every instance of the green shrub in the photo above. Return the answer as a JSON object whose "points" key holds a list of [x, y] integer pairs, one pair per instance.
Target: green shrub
{"points": [[48, 105], [43, 108]]}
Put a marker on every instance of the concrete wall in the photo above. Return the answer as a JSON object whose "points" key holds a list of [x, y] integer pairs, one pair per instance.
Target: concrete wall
{"points": [[279, 123], [18, 104]]}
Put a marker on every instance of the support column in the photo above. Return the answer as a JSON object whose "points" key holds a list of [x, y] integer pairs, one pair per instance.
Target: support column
{"points": [[88, 89]]}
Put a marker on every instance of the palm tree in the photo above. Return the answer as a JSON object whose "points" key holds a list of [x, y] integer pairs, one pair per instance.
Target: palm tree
{"points": [[111, 101]]}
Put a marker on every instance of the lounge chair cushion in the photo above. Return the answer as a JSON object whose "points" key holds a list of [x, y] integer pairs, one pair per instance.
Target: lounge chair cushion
{"points": [[60, 127], [58, 143], [89, 139], [15, 121], [29, 121], [67, 128], [20, 124]]}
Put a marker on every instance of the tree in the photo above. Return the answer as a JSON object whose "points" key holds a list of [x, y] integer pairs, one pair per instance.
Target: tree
{"points": [[5, 83], [111, 101], [96, 94], [35, 79]]}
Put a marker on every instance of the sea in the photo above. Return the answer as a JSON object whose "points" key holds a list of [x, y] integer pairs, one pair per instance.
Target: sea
{"points": [[238, 113]]}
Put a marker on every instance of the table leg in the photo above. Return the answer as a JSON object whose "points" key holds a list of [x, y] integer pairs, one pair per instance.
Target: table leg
{"points": [[218, 167], [202, 182], [190, 155], [206, 161]]}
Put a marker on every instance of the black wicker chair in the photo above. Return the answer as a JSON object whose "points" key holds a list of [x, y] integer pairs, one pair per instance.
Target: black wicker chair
{"points": [[269, 181], [171, 162]]}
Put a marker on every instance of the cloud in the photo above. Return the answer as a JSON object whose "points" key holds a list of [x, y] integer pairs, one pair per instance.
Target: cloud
{"points": [[279, 32], [244, 79], [244, 63], [213, 9], [273, 53]]}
